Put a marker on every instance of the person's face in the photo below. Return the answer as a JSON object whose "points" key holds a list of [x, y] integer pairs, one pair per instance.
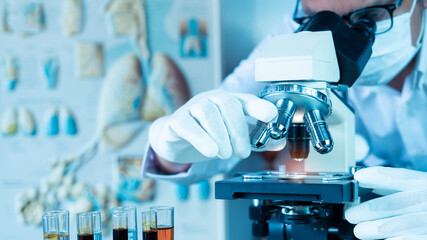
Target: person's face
{"points": [[342, 7]]}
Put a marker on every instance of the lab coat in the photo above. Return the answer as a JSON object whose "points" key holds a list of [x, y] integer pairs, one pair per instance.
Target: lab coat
{"points": [[393, 123]]}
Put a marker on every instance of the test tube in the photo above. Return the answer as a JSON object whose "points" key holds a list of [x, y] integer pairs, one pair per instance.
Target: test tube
{"points": [[120, 226], [97, 226], [64, 222], [132, 227], [50, 227], [149, 225], [85, 226], [164, 222]]}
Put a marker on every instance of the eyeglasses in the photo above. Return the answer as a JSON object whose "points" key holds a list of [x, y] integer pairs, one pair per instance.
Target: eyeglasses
{"points": [[383, 13]]}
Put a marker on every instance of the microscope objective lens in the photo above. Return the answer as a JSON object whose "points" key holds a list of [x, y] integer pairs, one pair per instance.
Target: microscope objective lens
{"points": [[299, 142], [319, 132]]}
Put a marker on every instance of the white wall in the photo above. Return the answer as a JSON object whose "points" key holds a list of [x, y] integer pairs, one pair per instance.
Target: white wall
{"points": [[244, 23]]}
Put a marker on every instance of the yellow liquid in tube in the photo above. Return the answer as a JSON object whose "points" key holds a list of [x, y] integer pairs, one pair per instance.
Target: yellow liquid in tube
{"points": [[51, 236]]}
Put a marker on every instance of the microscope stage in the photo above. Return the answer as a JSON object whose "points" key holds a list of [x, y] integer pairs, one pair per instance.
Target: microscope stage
{"points": [[311, 187]]}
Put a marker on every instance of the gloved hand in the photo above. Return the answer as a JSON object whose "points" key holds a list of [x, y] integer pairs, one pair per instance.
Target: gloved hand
{"points": [[401, 215], [211, 124]]}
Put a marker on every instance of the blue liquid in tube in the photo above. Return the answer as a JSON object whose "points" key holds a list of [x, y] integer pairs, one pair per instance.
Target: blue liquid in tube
{"points": [[97, 235], [132, 234]]}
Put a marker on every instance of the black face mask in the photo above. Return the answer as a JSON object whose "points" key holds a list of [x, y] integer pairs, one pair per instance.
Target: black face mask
{"points": [[353, 44]]}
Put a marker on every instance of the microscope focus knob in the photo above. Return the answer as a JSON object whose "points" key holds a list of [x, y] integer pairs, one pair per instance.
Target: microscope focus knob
{"points": [[260, 229]]}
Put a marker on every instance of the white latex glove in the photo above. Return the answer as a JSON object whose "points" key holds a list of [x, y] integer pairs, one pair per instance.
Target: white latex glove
{"points": [[400, 215], [211, 124]]}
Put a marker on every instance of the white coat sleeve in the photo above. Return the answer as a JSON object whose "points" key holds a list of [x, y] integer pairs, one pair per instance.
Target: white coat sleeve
{"points": [[240, 80]]}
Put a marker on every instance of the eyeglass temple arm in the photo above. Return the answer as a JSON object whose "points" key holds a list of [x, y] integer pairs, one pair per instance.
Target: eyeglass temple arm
{"points": [[294, 15]]}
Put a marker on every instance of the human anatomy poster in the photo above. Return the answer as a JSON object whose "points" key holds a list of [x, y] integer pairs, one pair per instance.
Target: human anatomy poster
{"points": [[80, 83]]}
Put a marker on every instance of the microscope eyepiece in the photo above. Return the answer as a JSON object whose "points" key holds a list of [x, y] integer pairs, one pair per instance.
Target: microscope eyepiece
{"points": [[353, 44], [366, 26]]}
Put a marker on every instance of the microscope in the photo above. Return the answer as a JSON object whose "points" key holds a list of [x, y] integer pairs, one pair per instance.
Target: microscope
{"points": [[308, 73]]}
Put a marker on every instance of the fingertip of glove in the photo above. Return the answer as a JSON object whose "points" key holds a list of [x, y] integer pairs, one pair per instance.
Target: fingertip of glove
{"points": [[256, 107], [358, 231], [350, 215], [367, 230], [225, 155], [209, 151], [270, 111], [244, 153], [206, 147], [262, 110], [365, 173], [247, 153]]}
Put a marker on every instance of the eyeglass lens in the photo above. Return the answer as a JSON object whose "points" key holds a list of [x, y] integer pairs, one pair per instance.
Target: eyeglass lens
{"points": [[380, 15]]}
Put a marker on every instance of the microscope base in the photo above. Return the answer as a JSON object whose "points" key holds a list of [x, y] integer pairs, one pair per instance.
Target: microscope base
{"points": [[294, 206]]}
